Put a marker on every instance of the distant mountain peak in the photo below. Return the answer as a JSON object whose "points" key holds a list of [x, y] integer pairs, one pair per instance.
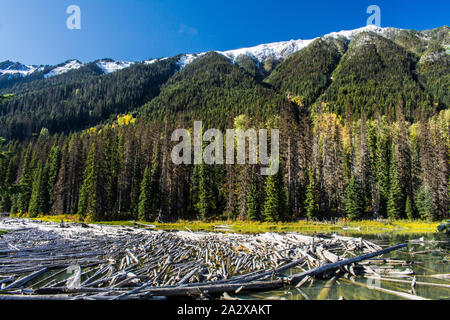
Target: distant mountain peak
{"points": [[63, 68], [109, 65], [16, 68]]}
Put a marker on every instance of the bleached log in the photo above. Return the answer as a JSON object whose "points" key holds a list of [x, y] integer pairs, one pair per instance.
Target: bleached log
{"points": [[18, 283]]}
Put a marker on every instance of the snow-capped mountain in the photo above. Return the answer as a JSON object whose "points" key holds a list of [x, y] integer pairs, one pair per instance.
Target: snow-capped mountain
{"points": [[280, 51], [277, 50], [17, 68], [350, 34], [109, 66], [106, 65], [63, 68], [188, 58], [152, 61]]}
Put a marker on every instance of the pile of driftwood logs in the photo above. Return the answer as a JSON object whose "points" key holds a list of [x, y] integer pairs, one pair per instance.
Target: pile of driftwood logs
{"points": [[41, 260]]}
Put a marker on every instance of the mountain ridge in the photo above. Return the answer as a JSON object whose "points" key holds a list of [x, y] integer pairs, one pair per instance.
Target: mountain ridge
{"points": [[260, 53]]}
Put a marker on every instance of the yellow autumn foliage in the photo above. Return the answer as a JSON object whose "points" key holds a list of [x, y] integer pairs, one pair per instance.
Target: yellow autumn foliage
{"points": [[125, 120]]}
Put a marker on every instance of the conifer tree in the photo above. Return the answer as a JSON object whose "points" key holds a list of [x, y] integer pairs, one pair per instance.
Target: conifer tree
{"points": [[312, 198], [111, 172], [409, 208], [90, 205], [403, 151], [424, 201], [396, 205], [136, 186], [271, 203], [8, 170], [52, 168], [275, 204], [253, 200], [155, 186], [4, 155], [37, 200], [74, 179], [382, 164], [283, 196], [4, 163], [7, 187], [127, 160], [364, 166], [145, 203], [59, 197], [354, 200], [26, 179]]}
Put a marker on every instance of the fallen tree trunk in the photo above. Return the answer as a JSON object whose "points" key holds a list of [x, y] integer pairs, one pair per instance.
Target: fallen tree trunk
{"points": [[24, 280], [65, 290], [409, 282], [22, 297], [214, 289], [392, 292], [333, 266]]}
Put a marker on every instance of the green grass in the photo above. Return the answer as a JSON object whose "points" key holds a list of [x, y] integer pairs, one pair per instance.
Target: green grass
{"points": [[303, 226], [3, 232]]}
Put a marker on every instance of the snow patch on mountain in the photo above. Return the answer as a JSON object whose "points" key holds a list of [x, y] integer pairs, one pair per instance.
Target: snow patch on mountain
{"points": [[16, 68], [350, 34], [276, 50], [152, 61], [188, 59], [109, 66], [66, 67]]}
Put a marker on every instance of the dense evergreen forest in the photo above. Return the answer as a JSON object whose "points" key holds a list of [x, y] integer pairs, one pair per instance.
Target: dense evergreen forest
{"points": [[80, 99], [364, 133]]}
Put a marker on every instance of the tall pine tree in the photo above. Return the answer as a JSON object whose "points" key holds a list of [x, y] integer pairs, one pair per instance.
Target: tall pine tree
{"points": [[145, 202], [312, 197], [354, 200], [396, 202], [275, 204], [90, 203], [37, 201]]}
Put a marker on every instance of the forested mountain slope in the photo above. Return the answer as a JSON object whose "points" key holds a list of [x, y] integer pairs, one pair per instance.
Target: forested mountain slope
{"points": [[370, 71], [214, 90], [374, 74], [81, 99], [37, 80], [307, 73]]}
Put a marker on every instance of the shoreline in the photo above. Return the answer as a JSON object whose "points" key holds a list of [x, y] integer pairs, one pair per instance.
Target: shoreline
{"points": [[363, 227]]}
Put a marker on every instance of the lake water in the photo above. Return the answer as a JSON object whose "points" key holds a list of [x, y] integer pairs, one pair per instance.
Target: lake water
{"points": [[435, 262]]}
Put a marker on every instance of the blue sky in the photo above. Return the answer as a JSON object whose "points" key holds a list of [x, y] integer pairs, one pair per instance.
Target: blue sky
{"points": [[35, 32]]}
